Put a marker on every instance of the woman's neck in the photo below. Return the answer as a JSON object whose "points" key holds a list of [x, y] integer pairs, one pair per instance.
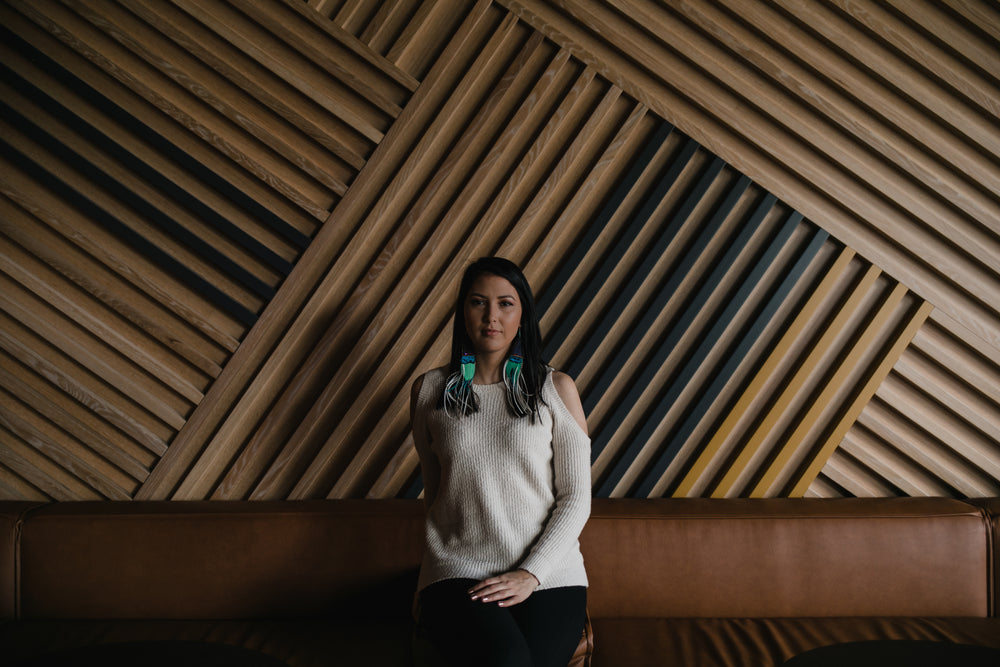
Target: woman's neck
{"points": [[489, 368]]}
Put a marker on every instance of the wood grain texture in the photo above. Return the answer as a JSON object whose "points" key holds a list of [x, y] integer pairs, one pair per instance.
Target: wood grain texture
{"points": [[764, 238]]}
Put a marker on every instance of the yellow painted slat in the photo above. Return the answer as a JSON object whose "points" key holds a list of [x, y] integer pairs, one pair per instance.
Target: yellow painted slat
{"points": [[797, 382], [792, 445], [369, 155], [810, 419], [763, 376], [742, 128], [861, 398]]}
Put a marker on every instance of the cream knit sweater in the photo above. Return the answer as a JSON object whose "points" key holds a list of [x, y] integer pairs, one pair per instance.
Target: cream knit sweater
{"points": [[502, 492]]}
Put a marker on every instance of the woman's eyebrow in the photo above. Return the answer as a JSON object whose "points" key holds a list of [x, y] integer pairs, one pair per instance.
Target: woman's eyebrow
{"points": [[502, 296]]}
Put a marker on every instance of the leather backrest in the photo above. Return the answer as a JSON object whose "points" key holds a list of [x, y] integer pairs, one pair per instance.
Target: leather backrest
{"points": [[992, 508], [11, 514], [217, 560], [786, 558], [676, 557]]}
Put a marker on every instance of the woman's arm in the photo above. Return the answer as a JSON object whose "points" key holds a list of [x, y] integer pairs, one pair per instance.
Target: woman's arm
{"points": [[571, 463], [429, 466], [571, 479], [567, 391]]}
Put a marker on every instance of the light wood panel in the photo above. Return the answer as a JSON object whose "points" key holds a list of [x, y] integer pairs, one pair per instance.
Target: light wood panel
{"points": [[864, 141], [931, 429], [408, 33], [763, 235], [165, 167]]}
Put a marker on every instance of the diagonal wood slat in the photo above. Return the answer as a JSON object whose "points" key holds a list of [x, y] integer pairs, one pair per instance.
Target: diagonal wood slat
{"points": [[168, 173], [745, 120], [763, 235]]}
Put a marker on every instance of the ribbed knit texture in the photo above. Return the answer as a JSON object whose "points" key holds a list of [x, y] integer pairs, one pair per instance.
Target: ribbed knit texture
{"points": [[502, 492]]}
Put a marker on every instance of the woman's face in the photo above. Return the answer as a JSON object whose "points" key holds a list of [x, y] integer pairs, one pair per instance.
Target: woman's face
{"points": [[492, 314]]}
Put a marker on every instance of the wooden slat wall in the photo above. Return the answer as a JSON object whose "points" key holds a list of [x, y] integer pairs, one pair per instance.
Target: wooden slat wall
{"points": [[764, 238], [165, 166], [810, 387], [408, 33], [476, 171], [932, 427], [877, 122]]}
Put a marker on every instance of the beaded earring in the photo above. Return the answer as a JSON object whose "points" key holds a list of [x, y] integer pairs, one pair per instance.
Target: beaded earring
{"points": [[517, 390], [458, 388]]}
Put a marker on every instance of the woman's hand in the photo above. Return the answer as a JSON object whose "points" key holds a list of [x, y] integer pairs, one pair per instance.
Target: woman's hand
{"points": [[506, 589]]}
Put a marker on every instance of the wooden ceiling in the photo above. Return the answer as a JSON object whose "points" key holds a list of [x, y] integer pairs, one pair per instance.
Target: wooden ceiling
{"points": [[764, 237]]}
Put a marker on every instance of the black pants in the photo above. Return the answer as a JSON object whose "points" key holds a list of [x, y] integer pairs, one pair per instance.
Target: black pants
{"points": [[542, 631]]}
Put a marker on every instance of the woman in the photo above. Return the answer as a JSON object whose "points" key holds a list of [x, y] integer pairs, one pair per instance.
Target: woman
{"points": [[505, 456]]}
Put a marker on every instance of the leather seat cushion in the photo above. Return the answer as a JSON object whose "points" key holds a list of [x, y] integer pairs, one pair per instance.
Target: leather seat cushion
{"points": [[763, 642], [306, 642]]}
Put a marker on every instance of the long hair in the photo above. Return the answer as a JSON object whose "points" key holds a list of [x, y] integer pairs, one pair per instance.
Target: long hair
{"points": [[533, 369]]}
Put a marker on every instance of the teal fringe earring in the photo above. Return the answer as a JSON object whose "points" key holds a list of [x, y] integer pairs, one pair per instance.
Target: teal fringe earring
{"points": [[517, 389], [458, 388]]}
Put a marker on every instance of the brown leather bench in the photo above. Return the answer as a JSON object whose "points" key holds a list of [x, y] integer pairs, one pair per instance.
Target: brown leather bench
{"points": [[722, 582], [756, 582]]}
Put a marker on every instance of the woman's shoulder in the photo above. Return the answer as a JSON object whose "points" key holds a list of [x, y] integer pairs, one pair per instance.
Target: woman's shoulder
{"points": [[560, 380], [569, 395], [431, 378]]}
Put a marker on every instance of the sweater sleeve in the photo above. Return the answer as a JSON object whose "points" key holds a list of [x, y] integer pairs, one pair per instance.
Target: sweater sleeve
{"points": [[571, 478], [421, 401]]}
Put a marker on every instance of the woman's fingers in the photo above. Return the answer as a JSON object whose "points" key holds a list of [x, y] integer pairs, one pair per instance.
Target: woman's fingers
{"points": [[506, 589], [486, 588]]}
